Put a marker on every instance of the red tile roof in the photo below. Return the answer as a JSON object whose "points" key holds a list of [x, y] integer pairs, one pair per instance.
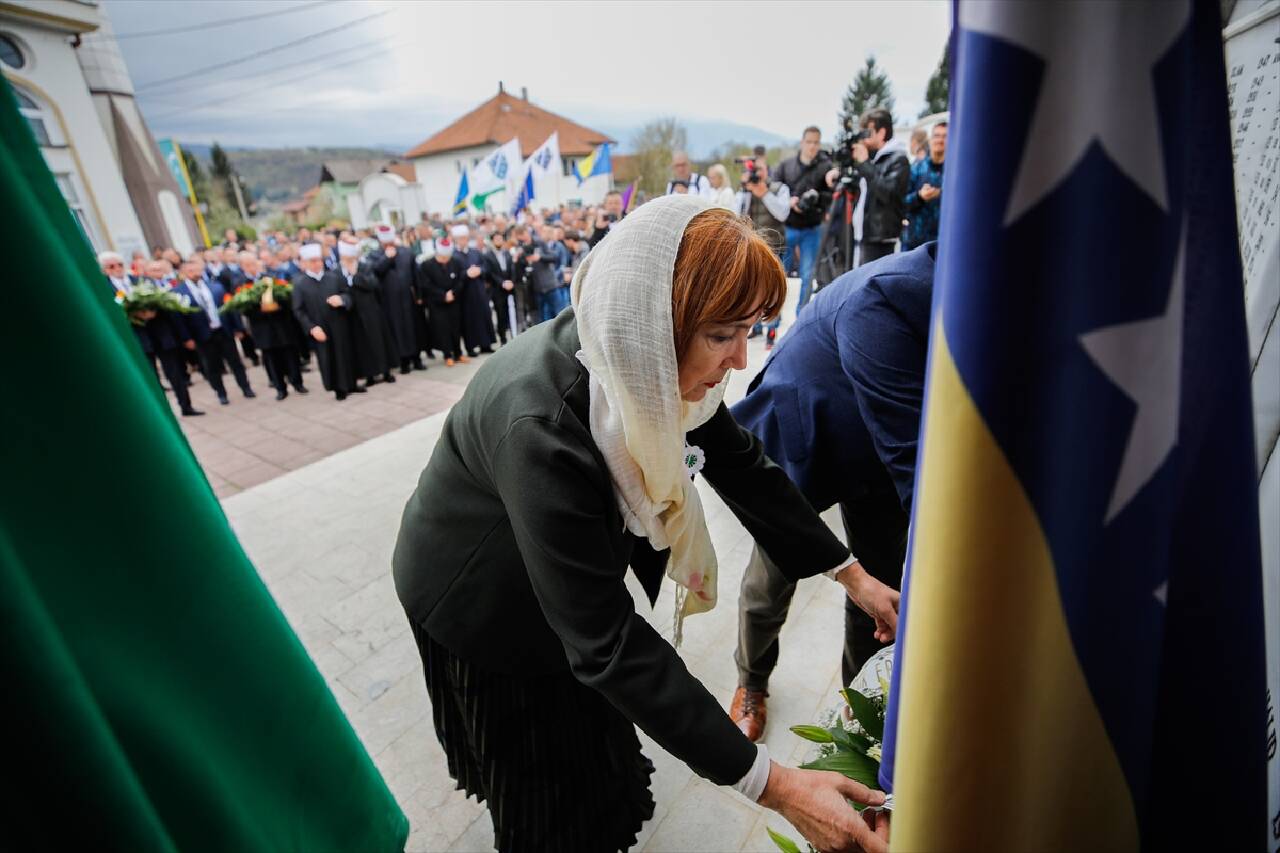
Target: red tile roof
{"points": [[503, 117]]}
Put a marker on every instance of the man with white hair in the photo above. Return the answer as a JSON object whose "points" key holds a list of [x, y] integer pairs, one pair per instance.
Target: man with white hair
{"points": [[158, 335], [477, 319], [393, 265], [322, 303], [682, 173]]}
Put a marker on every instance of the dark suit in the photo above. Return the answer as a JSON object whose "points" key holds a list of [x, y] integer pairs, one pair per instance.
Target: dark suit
{"points": [[512, 552], [838, 406], [217, 346], [230, 279], [498, 267], [160, 339]]}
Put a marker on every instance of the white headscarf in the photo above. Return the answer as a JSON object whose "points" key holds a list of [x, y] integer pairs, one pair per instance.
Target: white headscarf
{"points": [[622, 300]]}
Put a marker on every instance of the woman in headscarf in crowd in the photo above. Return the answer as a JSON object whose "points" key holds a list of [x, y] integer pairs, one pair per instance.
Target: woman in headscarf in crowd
{"points": [[571, 456]]}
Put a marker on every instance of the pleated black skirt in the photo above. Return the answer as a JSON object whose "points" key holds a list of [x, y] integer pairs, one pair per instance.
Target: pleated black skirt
{"points": [[559, 767]]}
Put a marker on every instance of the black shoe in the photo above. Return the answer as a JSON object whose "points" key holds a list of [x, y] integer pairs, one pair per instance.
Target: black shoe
{"points": [[431, 355], [222, 398], [248, 393], [487, 350], [418, 365], [359, 390], [387, 377], [341, 395], [281, 393], [256, 362], [372, 380], [301, 389], [406, 370], [191, 413]]}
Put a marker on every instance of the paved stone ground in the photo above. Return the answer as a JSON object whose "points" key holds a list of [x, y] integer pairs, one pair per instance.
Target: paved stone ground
{"points": [[332, 579], [252, 441]]}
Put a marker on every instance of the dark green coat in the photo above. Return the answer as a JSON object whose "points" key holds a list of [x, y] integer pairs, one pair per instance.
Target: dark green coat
{"points": [[512, 550]]}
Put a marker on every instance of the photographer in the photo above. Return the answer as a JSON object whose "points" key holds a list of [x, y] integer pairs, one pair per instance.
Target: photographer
{"points": [[610, 213], [767, 204], [881, 161], [810, 195]]}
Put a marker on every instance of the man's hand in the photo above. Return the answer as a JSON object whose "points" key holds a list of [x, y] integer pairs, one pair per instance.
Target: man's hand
{"points": [[877, 600], [860, 153], [391, 250], [239, 335], [814, 802], [473, 271], [831, 176], [189, 344], [795, 202], [508, 285], [448, 296], [759, 189], [601, 222], [334, 301], [929, 192], [318, 334]]}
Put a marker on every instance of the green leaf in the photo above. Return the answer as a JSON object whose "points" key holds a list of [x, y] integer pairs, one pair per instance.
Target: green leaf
{"points": [[884, 690], [817, 734], [849, 740], [864, 711], [786, 845], [856, 766]]}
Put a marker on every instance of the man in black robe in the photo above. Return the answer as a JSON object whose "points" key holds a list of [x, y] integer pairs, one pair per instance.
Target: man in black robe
{"points": [[322, 303], [441, 279], [274, 330], [375, 344], [500, 274], [477, 321], [394, 267]]}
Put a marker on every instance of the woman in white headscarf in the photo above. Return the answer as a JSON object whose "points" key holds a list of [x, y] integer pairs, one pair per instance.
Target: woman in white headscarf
{"points": [[570, 457]]}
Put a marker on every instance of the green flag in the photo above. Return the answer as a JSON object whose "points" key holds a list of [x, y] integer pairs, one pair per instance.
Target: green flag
{"points": [[156, 698]]}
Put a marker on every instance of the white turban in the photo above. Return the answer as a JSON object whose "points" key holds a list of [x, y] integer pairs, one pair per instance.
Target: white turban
{"points": [[309, 251], [622, 298], [444, 248], [386, 234], [460, 231], [348, 250]]}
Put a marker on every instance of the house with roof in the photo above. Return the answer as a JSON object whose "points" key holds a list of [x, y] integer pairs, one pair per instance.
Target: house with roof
{"points": [[440, 160]]}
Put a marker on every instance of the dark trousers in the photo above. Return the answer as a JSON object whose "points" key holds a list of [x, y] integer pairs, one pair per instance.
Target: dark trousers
{"points": [[218, 350], [875, 251], [250, 347], [175, 370], [281, 364], [877, 536], [501, 300]]}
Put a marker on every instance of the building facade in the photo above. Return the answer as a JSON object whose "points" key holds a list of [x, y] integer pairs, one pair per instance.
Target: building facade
{"points": [[440, 161], [72, 87]]}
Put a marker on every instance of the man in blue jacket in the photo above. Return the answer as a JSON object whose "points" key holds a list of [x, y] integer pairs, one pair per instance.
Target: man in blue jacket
{"points": [[215, 334], [838, 406]]}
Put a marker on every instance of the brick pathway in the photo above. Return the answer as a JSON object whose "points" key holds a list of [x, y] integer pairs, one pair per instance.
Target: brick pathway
{"points": [[252, 441]]}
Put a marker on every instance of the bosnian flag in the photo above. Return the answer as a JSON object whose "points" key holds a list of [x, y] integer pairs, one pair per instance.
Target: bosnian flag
{"points": [[1080, 660]]}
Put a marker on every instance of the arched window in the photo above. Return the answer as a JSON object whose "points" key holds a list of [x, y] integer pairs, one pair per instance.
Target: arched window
{"points": [[11, 52], [34, 114]]}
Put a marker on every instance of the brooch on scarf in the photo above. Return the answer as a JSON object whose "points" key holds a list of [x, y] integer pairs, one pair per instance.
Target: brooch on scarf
{"points": [[694, 459]]}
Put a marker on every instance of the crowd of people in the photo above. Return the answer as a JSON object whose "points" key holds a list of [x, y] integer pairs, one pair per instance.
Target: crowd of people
{"points": [[368, 303]]}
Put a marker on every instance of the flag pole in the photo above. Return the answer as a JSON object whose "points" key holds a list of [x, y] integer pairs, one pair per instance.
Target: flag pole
{"points": [[191, 194]]}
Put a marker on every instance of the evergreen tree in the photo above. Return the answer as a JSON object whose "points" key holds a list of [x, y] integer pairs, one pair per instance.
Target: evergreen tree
{"points": [[937, 93], [870, 89], [223, 171]]}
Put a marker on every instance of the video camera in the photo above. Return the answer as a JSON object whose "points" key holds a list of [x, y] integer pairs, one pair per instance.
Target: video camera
{"points": [[751, 165], [842, 153]]}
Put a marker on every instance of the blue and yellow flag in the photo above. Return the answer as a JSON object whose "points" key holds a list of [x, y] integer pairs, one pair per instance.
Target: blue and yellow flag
{"points": [[595, 163], [460, 200], [1080, 661]]}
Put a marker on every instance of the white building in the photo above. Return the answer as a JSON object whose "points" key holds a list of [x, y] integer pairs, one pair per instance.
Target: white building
{"points": [[72, 86], [440, 160]]}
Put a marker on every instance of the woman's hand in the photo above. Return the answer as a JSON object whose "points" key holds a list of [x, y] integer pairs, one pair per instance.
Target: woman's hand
{"points": [[877, 600], [814, 801]]}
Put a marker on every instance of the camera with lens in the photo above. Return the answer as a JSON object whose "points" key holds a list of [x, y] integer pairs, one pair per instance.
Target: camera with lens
{"points": [[842, 153], [752, 166], [808, 201]]}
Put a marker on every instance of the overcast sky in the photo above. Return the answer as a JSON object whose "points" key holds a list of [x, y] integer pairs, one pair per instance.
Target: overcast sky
{"points": [[409, 68]]}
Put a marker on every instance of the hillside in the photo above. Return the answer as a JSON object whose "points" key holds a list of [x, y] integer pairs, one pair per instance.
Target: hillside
{"points": [[279, 174]]}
